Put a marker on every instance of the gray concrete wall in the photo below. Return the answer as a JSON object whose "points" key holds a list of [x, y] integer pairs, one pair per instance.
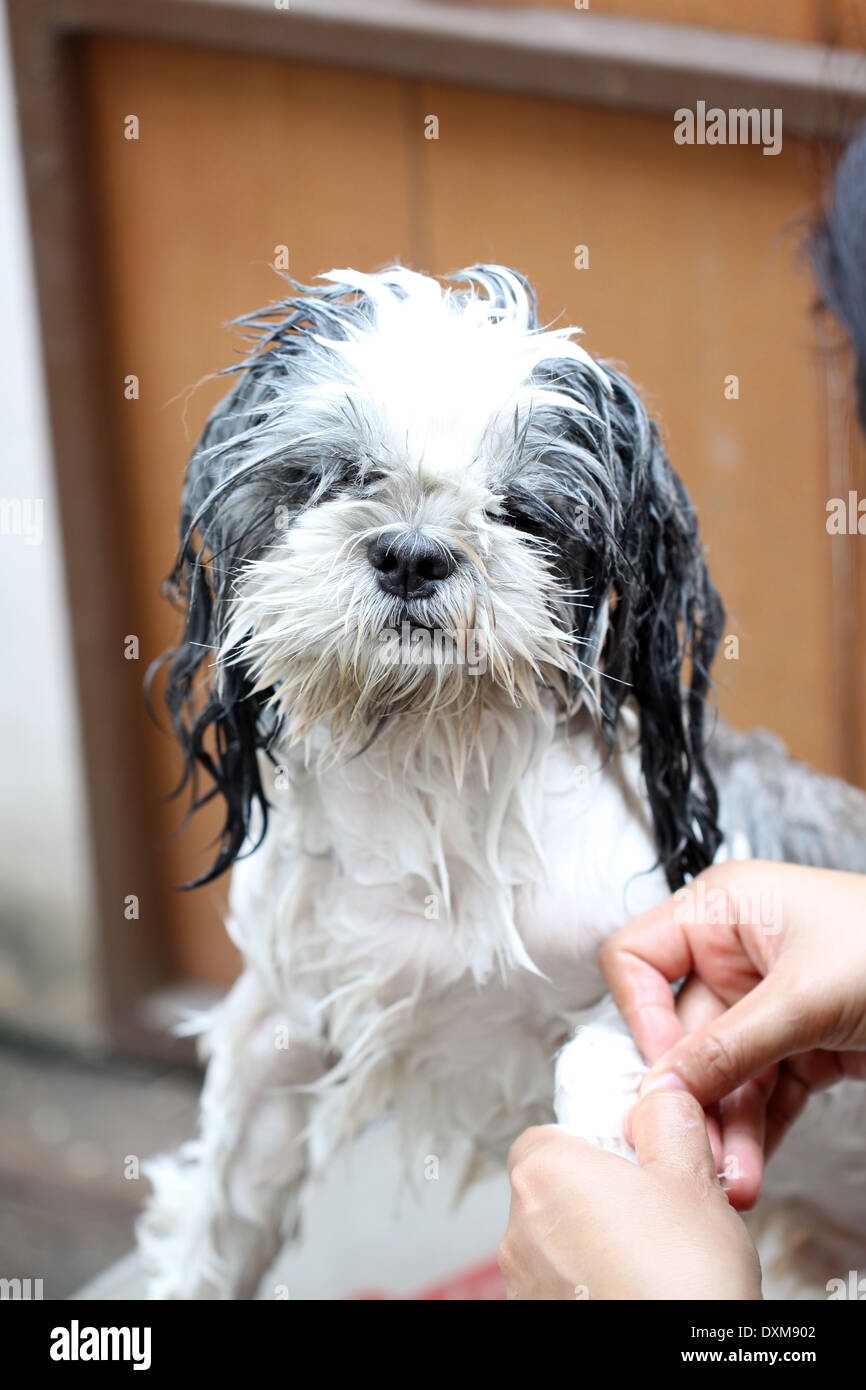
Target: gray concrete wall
{"points": [[46, 899]]}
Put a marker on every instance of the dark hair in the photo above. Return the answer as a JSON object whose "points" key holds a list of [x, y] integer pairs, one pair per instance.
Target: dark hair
{"points": [[838, 251]]}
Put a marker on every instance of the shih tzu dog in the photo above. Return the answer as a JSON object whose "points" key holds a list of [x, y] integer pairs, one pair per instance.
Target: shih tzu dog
{"points": [[446, 660]]}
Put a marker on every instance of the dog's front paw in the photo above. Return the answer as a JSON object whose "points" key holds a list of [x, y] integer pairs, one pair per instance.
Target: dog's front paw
{"points": [[172, 1238], [598, 1075]]}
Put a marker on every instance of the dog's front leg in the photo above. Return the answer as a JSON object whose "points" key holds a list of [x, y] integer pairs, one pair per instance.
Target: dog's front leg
{"points": [[222, 1207]]}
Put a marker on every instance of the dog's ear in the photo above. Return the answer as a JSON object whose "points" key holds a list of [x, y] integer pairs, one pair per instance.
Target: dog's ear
{"points": [[248, 478], [219, 721], [664, 615]]}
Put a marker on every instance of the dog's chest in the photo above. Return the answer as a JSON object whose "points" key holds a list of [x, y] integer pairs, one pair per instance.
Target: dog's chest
{"points": [[390, 878], [443, 933]]}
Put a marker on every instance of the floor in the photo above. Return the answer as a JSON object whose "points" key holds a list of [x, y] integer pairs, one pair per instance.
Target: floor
{"points": [[72, 1138]]}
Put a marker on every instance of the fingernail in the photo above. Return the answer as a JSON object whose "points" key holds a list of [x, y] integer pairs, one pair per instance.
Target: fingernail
{"points": [[666, 1081]]}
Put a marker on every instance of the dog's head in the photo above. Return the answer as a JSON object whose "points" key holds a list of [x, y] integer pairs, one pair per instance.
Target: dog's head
{"points": [[416, 503]]}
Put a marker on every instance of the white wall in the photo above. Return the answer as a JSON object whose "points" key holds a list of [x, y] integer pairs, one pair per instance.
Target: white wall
{"points": [[46, 898]]}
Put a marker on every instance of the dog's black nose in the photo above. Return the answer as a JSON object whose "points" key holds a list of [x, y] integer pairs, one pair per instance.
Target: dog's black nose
{"points": [[408, 563]]}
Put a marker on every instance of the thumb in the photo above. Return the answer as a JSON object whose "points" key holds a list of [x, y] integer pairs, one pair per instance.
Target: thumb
{"points": [[669, 1128], [761, 1029]]}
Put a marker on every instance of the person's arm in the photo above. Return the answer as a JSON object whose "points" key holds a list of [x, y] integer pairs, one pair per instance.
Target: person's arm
{"points": [[775, 1002], [585, 1224]]}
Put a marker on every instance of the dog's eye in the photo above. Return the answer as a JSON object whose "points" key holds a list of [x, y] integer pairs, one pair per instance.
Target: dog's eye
{"points": [[520, 520], [370, 477]]}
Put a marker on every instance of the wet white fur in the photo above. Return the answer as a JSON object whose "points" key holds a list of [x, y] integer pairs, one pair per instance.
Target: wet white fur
{"points": [[420, 926]]}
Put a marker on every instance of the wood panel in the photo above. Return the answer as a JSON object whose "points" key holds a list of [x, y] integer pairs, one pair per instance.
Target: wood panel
{"points": [[843, 22]]}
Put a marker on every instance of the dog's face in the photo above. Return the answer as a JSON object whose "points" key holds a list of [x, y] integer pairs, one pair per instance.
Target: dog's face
{"points": [[428, 555], [416, 504]]}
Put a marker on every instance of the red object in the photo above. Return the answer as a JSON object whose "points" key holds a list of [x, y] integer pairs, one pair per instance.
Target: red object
{"points": [[483, 1283]]}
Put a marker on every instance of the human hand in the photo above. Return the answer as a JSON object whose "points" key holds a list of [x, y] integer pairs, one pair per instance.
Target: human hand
{"points": [[774, 1006], [589, 1224]]}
